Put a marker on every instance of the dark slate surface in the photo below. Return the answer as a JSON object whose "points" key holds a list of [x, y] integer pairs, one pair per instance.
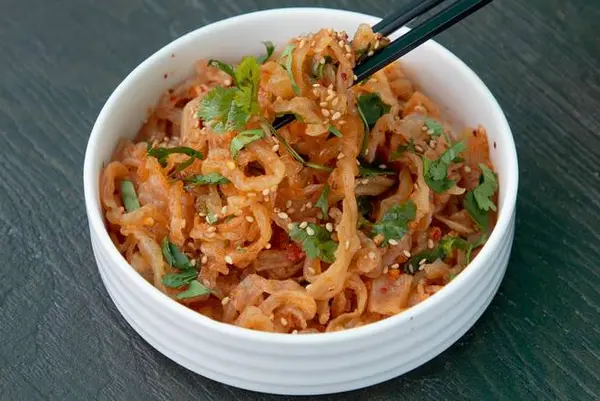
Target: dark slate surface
{"points": [[62, 339]]}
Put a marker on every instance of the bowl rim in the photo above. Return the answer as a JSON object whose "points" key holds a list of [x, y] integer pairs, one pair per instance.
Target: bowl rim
{"points": [[97, 226]]}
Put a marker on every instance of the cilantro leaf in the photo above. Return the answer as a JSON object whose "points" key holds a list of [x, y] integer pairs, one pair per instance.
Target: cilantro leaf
{"points": [[211, 218], [434, 128], [247, 74], [244, 138], [316, 241], [226, 68], [130, 199], [162, 154], [335, 131], [323, 202], [394, 223], [480, 217], [409, 147], [365, 171], [178, 280], [206, 179], [270, 48], [436, 171], [195, 289], [286, 60], [175, 257], [370, 108], [485, 190]]}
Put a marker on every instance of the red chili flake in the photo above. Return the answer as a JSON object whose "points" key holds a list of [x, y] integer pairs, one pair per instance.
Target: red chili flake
{"points": [[344, 76], [435, 233], [383, 290], [294, 253]]}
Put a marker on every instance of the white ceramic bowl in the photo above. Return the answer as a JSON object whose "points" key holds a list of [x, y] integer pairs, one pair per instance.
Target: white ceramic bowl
{"points": [[302, 364]]}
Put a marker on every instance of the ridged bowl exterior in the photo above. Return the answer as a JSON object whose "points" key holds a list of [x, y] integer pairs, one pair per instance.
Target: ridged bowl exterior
{"points": [[302, 364]]}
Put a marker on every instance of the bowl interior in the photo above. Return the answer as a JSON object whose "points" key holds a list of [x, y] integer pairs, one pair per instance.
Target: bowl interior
{"points": [[438, 73]]}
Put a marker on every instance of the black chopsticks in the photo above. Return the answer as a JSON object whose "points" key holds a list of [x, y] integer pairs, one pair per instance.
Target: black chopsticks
{"points": [[435, 24]]}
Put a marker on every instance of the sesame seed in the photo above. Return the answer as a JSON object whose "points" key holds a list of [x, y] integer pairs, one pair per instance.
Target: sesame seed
{"points": [[227, 82], [275, 148], [295, 332], [313, 43], [421, 267], [467, 169], [308, 287], [309, 205], [357, 162], [325, 112], [335, 101], [303, 208], [430, 244], [372, 255], [395, 266], [330, 90], [315, 92], [430, 131], [316, 85], [266, 191], [424, 128], [406, 253], [224, 210], [418, 148], [355, 77], [385, 270], [432, 143], [310, 231], [288, 204], [302, 43], [422, 262], [268, 245], [340, 156], [225, 301], [311, 270], [204, 259], [206, 283], [370, 53], [322, 61], [304, 224], [323, 104], [382, 166], [330, 97], [393, 242], [377, 44], [271, 316], [250, 219], [284, 321], [283, 215], [228, 259], [347, 245], [336, 115], [230, 165], [290, 226], [211, 229], [329, 227], [329, 31]]}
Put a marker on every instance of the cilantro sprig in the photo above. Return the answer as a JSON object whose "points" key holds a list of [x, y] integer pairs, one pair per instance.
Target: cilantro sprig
{"points": [[394, 223], [371, 108], [478, 202], [270, 48], [229, 109], [286, 60], [129, 196], [162, 154], [436, 171], [187, 274], [434, 128], [244, 138], [322, 202], [205, 179], [315, 241], [333, 129]]}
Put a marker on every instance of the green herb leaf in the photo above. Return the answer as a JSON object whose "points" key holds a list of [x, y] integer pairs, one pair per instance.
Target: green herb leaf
{"points": [[270, 48], [480, 217], [436, 171], [129, 197], [365, 171], [206, 179], [318, 245], [409, 147], [195, 289], [175, 257], [247, 74], [244, 138], [371, 108], [226, 68], [211, 218], [318, 67], [335, 131], [323, 202], [162, 154], [434, 128], [286, 60], [394, 223], [178, 280], [488, 185]]}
